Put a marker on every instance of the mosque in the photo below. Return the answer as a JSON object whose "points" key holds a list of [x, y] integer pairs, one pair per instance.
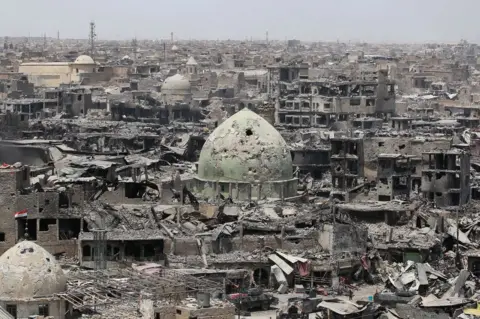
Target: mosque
{"points": [[176, 89], [52, 74], [30, 281], [246, 158]]}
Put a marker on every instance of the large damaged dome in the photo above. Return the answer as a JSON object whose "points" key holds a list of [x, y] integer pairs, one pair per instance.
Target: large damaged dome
{"points": [[27, 271], [245, 148]]}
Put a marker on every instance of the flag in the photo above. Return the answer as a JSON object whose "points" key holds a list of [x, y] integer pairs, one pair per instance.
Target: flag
{"points": [[20, 214]]}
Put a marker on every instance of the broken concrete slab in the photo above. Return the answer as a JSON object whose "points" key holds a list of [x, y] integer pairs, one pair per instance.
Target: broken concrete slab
{"points": [[422, 274]]}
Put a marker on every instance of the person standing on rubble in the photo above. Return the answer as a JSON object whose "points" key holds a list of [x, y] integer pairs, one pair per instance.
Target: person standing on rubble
{"points": [[350, 294]]}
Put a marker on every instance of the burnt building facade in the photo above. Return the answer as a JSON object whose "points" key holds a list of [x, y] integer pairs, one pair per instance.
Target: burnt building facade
{"points": [[346, 166], [446, 178], [394, 177], [313, 103]]}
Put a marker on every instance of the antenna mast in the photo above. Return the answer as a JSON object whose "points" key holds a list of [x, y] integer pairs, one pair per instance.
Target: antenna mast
{"points": [[91, 39]]}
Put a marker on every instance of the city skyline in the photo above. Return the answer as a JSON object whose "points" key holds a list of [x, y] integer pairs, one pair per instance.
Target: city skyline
{"points": [[327, 20]]}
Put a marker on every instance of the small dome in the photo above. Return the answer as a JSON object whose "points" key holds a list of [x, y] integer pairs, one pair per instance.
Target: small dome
{"points": [[175, 48], [28, 271], [191, 61], [84, 59], [245, 148], [176, 84]]}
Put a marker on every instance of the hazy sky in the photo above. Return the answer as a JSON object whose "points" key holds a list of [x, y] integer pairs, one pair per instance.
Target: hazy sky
{"points": [[312, 20]]}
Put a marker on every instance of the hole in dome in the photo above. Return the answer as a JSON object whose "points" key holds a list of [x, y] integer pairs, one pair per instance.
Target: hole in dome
{"points": [[249, 132], [48, 259], [49, 270], [30, 250]]}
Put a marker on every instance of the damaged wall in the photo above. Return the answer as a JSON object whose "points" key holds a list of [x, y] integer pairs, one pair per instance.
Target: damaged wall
{"points": [[343, 238], [27, 155], [374, 146], [249, 243]]}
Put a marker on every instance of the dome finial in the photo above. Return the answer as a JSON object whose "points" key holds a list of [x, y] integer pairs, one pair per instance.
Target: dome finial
{"points": [[25, 235]]}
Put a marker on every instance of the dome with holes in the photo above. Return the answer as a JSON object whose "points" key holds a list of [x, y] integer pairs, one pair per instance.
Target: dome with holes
{"points": [[84, 59], [245, 148], [28, 271]]}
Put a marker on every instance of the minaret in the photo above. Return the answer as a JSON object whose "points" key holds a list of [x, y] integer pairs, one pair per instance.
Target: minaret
{"points": [[134, 47], [192, 66]]}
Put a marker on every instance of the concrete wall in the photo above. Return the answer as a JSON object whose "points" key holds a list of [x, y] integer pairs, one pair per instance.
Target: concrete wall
{"points": [[325, 237], [343, 238], [384, 187], [247, 191], [349, 238], [47, 74], [8, 197], [346, 105], [248, 243], [121, 71], [146, 309], [91, 78], [401, 108], [165, 312], [226, 312]]}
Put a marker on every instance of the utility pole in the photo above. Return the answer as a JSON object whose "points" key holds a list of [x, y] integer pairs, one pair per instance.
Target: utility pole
{"points": [[91, 39], [458, 259]]}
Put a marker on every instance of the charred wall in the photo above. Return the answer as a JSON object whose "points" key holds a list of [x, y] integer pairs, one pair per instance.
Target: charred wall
{"points": [[28, 155]]}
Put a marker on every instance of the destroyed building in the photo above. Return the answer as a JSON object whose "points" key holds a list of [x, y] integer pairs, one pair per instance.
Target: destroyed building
{"points": [[213, 179], [346, 166], [394, 177], [446, 178], [306, 103]]}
